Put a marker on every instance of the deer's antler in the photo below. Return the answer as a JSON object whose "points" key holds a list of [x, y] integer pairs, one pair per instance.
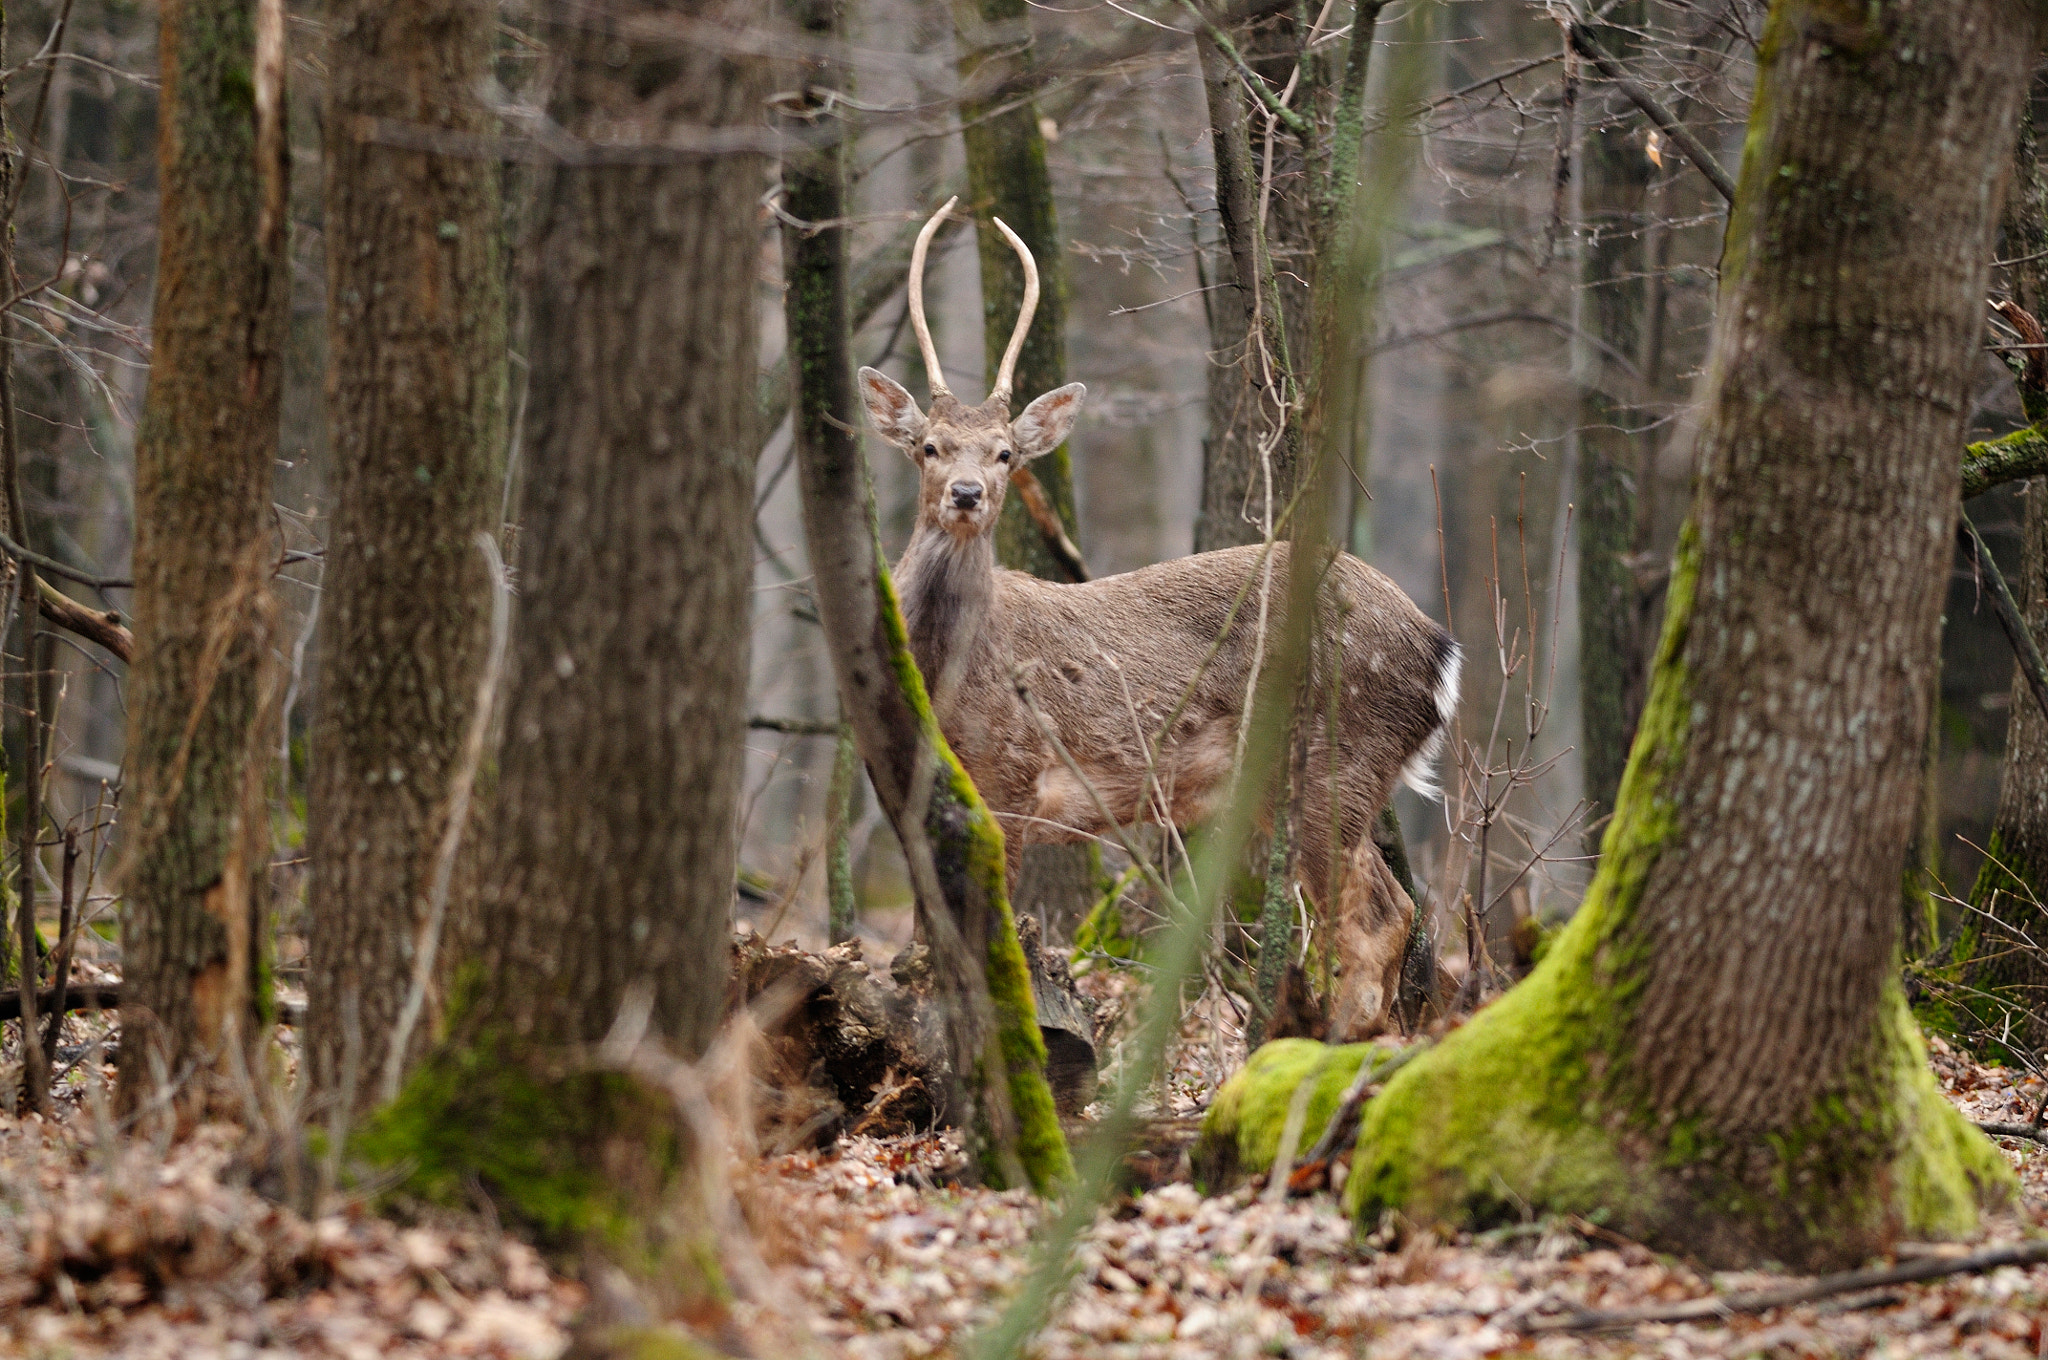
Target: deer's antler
{"points": [[924, 332], [1001, 394]]}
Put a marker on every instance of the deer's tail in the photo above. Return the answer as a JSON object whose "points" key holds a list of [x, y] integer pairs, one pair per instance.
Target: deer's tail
{"points": [[1420, 772]]}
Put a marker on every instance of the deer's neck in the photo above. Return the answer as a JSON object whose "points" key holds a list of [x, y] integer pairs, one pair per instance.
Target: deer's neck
{"points": [[948, 590]]}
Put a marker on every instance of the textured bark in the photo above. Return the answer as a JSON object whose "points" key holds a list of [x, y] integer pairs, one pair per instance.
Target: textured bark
{"points": [[1614, 282], [416, 415], [1717, 1050], [608, 857], [1007, 178], [194, 933]]}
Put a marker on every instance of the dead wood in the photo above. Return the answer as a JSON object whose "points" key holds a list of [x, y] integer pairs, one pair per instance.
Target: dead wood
{"points": [[1763, 1300], [103, 626], [849, 1052]]}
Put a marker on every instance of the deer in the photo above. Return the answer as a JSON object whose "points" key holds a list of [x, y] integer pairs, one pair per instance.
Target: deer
{"points": [[1119, 700]]}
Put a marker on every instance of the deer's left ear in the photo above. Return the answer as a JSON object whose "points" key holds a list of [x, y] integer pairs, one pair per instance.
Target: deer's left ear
{"points": [[1045, 423]]}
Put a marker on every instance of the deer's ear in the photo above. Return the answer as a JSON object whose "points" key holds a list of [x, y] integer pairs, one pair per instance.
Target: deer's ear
{"points": [[1045, 423], [891, 410]]}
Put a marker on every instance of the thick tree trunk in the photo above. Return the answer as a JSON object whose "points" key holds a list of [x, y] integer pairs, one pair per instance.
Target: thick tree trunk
{"points": [[1614, 287], [609, 856], [950, 838], [416, 414], [2001, 947], [195, 936], [1717, 1051], [1007, 178]]}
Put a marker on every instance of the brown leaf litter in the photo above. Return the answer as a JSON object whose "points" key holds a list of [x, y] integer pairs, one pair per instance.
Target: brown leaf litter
{"points": [[112, 1247]]}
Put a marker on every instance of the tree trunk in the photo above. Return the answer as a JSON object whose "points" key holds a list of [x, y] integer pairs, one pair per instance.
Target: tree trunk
{"points": [[1007, 178], [951, 842], [1717, 1051], [1249, 453], [2001, 947], [416, 414], [608, 861], [1614, 288], [195, 936]]}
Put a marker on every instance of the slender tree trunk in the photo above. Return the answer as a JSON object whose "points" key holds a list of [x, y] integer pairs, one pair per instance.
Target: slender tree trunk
{"points": [[1717, 1051], [195, 936], [950, 838], [1249, 454], [609, 855], [1007, 178], [2001, 947], [1614, 288], [416, 414]]}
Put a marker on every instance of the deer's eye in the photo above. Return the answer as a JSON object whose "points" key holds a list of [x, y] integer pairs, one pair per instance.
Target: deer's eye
{"points": [[931, 450], [1003, 457]]}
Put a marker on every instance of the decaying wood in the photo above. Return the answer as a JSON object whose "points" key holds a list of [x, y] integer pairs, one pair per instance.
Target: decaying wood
{"points": [[851, 1049]]}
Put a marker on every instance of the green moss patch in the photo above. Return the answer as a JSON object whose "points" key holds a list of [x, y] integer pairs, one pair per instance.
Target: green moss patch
{"points": [[1241, 1133]]}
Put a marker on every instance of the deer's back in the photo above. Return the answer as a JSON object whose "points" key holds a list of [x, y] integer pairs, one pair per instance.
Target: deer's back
{"points": [[1113, 661]]}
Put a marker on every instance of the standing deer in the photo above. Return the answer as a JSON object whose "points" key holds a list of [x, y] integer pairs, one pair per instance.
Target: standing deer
{"points": [[1109, 662]]}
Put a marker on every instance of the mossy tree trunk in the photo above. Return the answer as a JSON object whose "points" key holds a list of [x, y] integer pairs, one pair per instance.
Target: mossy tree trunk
{"points": [[608, 858], [950, 838], [416, 413], [1007, 178], [2001, 948], [194, 933], [1717, 1051], [1614, 288]]}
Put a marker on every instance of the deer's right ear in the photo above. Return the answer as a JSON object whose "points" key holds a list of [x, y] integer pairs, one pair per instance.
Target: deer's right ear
{"points": [[891, 410]]}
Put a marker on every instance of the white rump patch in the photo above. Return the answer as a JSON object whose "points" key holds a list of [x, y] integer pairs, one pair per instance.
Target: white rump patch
{"points": [[1419, 773]]}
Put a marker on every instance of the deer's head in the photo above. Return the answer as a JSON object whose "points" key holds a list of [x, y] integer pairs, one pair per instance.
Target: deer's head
{"points": [[966, 454]]}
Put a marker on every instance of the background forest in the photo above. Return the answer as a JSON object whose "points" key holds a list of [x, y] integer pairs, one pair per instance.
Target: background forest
{"points": [[464, 384]]}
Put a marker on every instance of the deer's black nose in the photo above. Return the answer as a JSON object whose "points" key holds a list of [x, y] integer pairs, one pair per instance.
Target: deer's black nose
{"points": [[966, 495]]}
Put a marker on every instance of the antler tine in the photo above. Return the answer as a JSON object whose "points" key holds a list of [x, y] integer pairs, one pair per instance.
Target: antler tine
{"points": [[1024, 314], [924, 333]]}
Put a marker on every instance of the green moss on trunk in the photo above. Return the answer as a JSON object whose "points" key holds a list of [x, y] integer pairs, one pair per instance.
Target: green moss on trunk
{"points": [[567, 1155], [1242, 1131], [967, 845]]}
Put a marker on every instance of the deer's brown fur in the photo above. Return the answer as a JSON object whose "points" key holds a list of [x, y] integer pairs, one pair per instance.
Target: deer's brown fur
{"points": [[1109, 662]]}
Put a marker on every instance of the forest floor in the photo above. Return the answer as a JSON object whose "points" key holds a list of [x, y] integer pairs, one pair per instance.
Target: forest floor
{"points": [[111, 1245]]}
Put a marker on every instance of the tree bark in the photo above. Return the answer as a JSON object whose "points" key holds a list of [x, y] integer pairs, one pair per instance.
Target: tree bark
{"points": [[608, 862], [1717, 1051], [950, 838], [194, 932], [416, 414], [1007, 178]]}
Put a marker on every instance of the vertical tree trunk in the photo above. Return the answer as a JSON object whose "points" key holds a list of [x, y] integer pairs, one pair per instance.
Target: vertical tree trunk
{"points": [[1613, 281], [194, 935], [1249, 453], [950, 838], [1007, 178], [609, 856], [416, 414], [1717, 1051]]}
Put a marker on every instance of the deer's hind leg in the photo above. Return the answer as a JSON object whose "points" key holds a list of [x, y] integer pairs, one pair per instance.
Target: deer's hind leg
{"points": [[1367, 930]]}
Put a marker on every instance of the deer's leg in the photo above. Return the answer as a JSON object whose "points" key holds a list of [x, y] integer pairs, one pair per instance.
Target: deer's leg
{"points": [[1370, 935]]}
